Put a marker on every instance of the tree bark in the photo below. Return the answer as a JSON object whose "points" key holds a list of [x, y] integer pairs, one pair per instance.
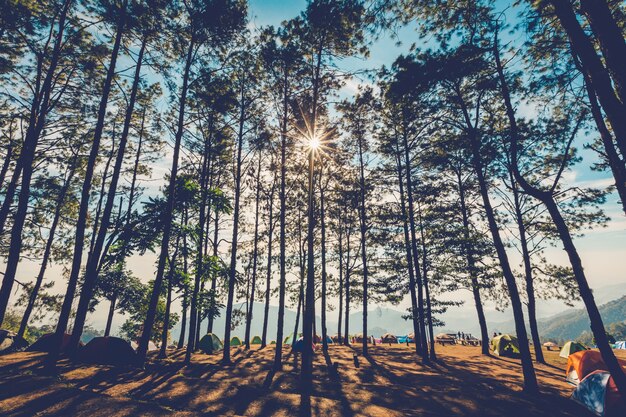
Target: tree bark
{"points": [[268, 280], [107, 329], [324, 277]]}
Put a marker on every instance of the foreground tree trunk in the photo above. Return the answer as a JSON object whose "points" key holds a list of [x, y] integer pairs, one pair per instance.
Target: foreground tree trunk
{"points": [[255, 254], [268, 280], [84, 201], [547, 198]]}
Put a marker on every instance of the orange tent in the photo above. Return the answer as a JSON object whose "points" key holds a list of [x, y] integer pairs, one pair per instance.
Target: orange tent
{"points": [[581, 364]]}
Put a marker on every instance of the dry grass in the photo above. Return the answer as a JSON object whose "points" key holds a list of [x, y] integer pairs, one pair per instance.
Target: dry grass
{"points": [[389, 383]]}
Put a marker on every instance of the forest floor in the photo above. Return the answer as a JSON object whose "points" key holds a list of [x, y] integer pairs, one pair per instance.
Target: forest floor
{"points": [[388, 383]]}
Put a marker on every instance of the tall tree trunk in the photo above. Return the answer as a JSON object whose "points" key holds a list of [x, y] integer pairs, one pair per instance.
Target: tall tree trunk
{"points": [[346, 334], [168, 214], [183, 322], [25, 165], [363, 229], [194, 325], [233, 253], [48, 250], [547, 198], [101, 194], [278, 363], [429, 319], [213, 300], [528, 271], [471, 267], [168, 307], [324, 277], [340, 250], [409, 257], [268, 280], [255, 254], [8, 157], [420, 338], [530, 380], [91, 272]]}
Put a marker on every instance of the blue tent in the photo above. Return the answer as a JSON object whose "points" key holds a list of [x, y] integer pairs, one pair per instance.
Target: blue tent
{"points": [[403, 339]]}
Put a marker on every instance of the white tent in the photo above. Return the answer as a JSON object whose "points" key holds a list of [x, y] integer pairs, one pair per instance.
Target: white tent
{"points": [[598, 393]]}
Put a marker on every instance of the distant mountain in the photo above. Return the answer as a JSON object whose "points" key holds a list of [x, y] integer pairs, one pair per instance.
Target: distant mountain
{"points": [[572, 323]]}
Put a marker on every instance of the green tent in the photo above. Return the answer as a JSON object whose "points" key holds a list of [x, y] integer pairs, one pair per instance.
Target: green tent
{"points": [[571, 347], [210, 343], [289, 340], [505, 345], [256, 340], [273, 342], [235, 341]]}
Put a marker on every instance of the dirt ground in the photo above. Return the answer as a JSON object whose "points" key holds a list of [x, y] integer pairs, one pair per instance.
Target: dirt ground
{"points": [[389, 383]]}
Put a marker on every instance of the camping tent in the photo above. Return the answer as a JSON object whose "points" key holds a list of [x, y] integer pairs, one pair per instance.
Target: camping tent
{"points": [[443, 338], [290, 339], [338, 338], [581, 364], [550, 345], [235, 341], [151, 345], [318, 339], [403, 339], [256, 340], [598, 392], [210, 343], [358, 338], [411, 337], [45, 343], [571, 347], [505, 345], [389, 338], [621, 344], [107, 350], [11, 342]]}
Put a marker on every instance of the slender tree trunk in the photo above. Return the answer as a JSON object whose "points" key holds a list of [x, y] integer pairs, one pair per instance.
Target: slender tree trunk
{"points": [[183, 322], [168, 307], [278, 364], [91, 272], [48, 250], [409, 257], [25, 165], [233, 254], [528, 271], [101, 194], [167, 215], [214, 277], [255, 254], [194, 325], [471, 268], [324, 276], [363, 229], [346, 334], [107, 329], [429, 319], [268, 280], [420, 338], [340, 250]]}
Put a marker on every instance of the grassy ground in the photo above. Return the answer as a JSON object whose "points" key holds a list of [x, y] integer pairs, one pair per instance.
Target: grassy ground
{"points": [[389, 383]]}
